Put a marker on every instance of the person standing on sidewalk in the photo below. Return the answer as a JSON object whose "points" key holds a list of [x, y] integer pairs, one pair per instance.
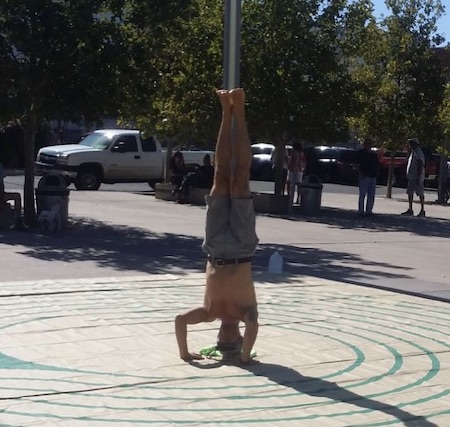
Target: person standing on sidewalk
{"points": [[415, 172], [230, 241], [368, 165], [296, 168]]}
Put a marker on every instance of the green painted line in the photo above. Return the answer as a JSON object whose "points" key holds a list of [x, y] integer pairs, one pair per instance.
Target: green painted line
{"points": [[9, 362], [405, 418], [434, 360]]}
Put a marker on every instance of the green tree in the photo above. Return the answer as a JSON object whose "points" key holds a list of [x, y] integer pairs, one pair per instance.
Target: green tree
{"points": [[55, 63], [444, 149], [295, 69], [292, 66], [177, 72], [444, 112], [399, 78], [74, 60]]}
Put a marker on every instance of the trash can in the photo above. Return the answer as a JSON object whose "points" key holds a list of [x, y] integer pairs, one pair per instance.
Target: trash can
{"points": [[52, 195], [311, 195]]}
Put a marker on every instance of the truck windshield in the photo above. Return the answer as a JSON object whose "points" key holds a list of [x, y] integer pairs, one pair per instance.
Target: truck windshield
{"points": [[100, 141]]}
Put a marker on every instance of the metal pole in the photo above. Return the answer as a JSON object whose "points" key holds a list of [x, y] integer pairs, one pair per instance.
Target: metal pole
{"points": [[232, 44]]}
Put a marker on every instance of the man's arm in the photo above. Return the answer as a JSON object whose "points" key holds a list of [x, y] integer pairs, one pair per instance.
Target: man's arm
{"points": [[197, 315], [250, 334]]}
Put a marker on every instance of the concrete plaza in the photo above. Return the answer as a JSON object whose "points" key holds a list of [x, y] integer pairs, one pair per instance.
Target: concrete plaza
{"points": [[101, 352]]}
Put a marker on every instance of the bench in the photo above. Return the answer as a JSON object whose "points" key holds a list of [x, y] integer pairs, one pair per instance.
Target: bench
{"points": [[163, 191], [263, 202]]}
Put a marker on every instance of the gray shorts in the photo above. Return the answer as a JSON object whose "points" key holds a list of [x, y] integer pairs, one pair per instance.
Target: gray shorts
{"points": [[230, 228], [415, 185]]}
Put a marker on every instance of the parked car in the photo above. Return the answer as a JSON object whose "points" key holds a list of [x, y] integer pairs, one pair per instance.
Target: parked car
{"points": [[399, 172], [110, 156], [262, 166], [332, 164]]}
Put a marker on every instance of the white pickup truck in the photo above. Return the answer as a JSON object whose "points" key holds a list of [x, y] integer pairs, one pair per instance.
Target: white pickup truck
{"points": [[110, 156]]}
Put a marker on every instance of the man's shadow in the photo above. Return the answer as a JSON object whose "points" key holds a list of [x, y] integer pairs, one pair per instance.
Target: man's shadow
{"points": [[318, 387]]}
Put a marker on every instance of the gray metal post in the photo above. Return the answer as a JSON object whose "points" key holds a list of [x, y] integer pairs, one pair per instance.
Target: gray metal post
{"points": [[232, 44]]}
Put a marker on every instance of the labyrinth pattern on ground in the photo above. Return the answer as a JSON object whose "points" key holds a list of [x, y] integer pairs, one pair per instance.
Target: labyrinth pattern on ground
{"points": [[103, 352]]}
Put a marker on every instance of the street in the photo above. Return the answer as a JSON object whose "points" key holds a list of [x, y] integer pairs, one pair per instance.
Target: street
{"points": [[121, 230]]}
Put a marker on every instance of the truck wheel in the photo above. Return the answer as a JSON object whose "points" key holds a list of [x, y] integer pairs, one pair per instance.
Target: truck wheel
{"points": [[88, 179]]}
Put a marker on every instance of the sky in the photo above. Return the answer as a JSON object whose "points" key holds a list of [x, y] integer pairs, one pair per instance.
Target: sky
{"points": [[443, 23]]}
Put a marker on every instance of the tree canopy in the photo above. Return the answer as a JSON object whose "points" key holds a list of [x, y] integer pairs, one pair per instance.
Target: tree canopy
{"points": [[316, 70]]}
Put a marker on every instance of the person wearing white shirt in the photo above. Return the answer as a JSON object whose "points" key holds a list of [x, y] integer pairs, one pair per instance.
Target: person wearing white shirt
{"points": [[415, 172]]}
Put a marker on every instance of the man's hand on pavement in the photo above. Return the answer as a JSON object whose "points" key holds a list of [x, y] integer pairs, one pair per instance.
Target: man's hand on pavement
{"points": [[191, 356]]}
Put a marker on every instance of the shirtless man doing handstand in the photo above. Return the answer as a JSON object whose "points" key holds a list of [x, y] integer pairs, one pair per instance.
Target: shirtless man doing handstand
{"points": [[230, 240]]}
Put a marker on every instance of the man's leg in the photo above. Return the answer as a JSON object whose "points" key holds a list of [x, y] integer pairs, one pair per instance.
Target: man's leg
{"points": [[410, 192], [420, 191], [291, 191], [240, 187], [222, 159], [422, 202], [299, 187], [362, 194], [371, 189]]}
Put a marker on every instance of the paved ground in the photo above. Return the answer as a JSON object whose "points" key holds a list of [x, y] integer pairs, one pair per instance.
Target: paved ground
{"points": [[77, 350], [102, 353]]}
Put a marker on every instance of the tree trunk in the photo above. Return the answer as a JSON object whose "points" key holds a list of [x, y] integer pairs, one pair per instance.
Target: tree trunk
{"points": [[28, 190], [443, 173], [169, 154], [278, 165], [390, 176], [442, 179]]}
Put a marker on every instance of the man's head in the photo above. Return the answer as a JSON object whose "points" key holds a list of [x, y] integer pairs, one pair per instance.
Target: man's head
{"points": [[413, 143], [229, 337]]}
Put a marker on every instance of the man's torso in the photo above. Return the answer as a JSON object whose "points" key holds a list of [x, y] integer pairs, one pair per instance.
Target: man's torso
{"points": [[413, 167], [368, 163], [229, 291]]}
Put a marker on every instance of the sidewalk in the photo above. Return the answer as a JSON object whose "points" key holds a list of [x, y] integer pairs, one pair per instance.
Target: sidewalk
{"points": [[102, 353]]}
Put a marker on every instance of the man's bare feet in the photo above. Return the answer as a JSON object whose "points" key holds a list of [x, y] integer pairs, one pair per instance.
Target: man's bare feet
{"points": [[238, 97], [225, 99]]}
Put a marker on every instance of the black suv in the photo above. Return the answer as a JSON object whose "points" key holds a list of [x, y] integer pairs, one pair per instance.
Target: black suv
{"points": [[332, 164]]}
